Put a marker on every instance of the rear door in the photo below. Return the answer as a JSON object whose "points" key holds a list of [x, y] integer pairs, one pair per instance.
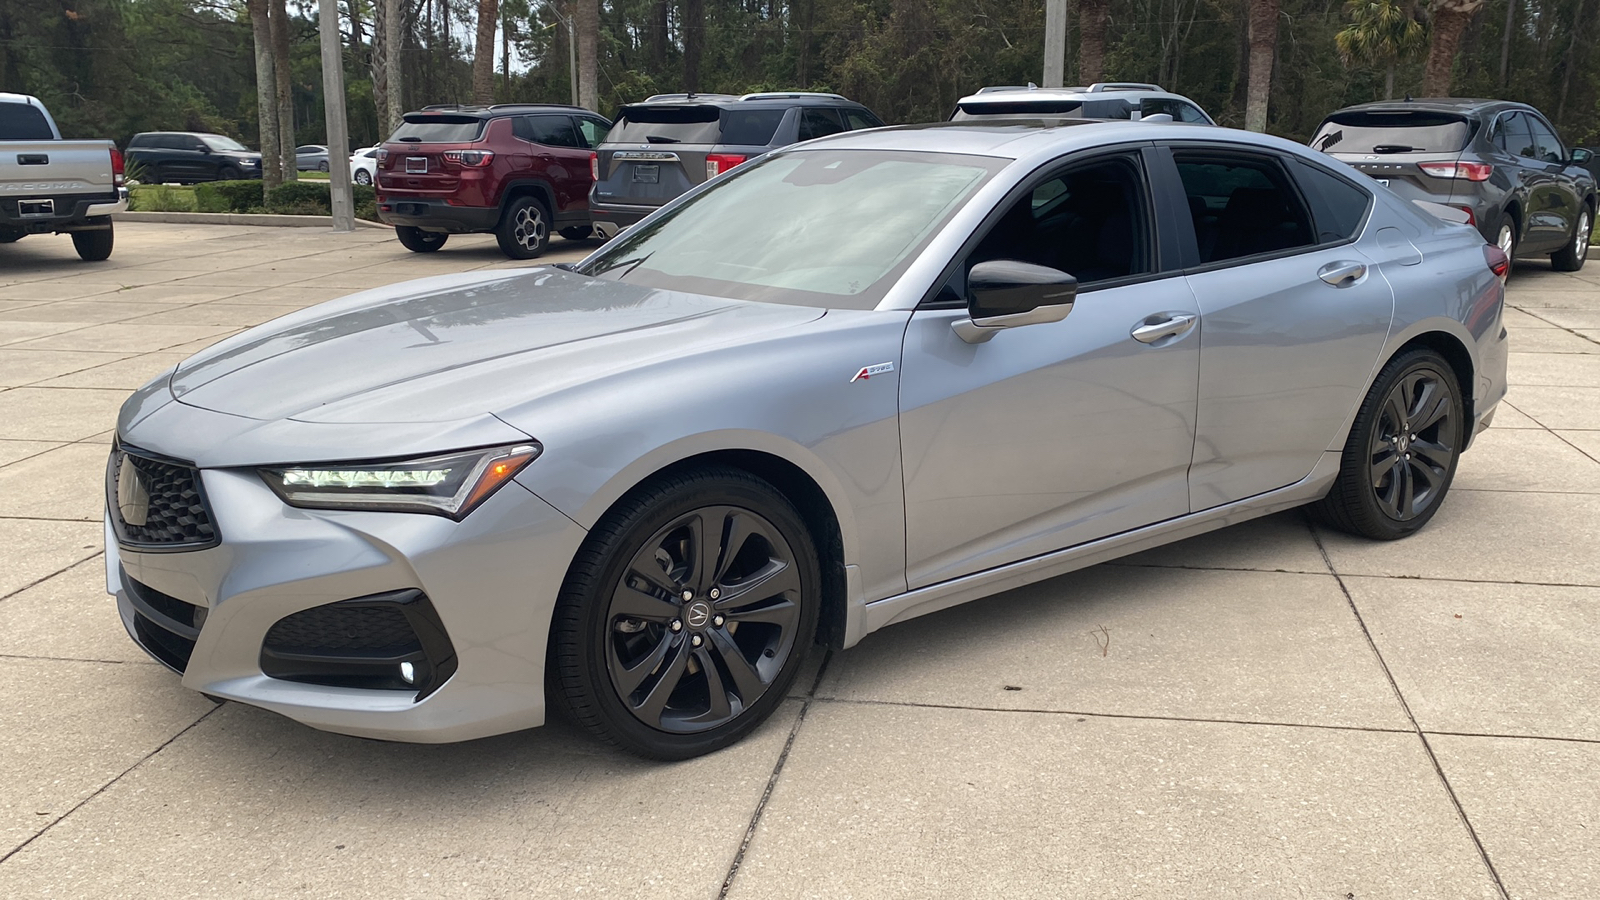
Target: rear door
{"points": [[560, 156], [1553, 207], [1293, 315]]}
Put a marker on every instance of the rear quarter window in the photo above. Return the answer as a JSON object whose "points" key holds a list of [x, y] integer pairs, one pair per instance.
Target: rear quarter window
{"points": [[1398, 131], [750, 127], [439, 130], [23, 122], [1337, 207]]}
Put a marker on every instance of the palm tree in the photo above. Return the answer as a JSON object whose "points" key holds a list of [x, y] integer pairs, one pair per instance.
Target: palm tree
{"points": [[1263, 47], [1450, 18], [1380, 32], [1092, 15], [588, 26], [266, 94], [483, 52]]}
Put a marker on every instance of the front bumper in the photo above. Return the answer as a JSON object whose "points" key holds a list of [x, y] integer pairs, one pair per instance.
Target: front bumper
{"points": [[491, 579]]}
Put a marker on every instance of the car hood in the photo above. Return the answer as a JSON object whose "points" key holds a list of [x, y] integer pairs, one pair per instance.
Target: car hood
{"points": [[460, 346]]}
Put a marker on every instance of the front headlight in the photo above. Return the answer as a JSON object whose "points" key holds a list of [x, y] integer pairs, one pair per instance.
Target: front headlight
{"points": [[451, 485]]}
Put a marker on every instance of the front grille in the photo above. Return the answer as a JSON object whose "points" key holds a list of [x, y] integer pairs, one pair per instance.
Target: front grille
{"points": [[165, 626], [167, 503], [369, 642]]}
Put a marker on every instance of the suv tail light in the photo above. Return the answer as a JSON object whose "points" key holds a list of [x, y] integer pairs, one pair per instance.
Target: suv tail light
{"points": [[471, 159], [117, 167], [382, 156], [1498, 262], [1468, 170], [717, 163], [594, 167]]}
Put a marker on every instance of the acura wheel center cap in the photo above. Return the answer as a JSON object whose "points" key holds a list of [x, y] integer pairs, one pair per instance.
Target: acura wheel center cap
{"points": [[697, 614]]}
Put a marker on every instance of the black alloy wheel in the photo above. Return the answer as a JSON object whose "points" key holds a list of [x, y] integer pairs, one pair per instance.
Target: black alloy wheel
{"points": [[1402, 451], [687, 614], [418, 241]]}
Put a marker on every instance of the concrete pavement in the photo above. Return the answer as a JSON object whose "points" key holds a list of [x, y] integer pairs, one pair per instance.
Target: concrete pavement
{"points": [[1267, 711]]}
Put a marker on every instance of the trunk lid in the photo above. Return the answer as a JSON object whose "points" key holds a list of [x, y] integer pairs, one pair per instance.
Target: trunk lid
{"points": [[1388, 145]]}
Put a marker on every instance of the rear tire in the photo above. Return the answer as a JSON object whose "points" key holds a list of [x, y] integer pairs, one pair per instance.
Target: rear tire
{"points": [[524, 230], [1571, 257], [322, 166], [686, 615], [362, 176], [1402, 451], [418, 241], [94, 246], [578, 234], [11, 237]]}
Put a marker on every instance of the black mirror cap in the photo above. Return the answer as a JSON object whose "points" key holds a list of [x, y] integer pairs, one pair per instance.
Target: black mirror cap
{"points": [[1003, 287]]}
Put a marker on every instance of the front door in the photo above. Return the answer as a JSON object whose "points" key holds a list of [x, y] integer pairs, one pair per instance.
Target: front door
{"points": [[1047, 436], [1295, 314]]}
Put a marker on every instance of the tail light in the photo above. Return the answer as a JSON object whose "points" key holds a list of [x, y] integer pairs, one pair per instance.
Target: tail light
{"points": [[470, 159], [117, 168], [1470, 171], [1499, 263], [717, 163], [382, 156], [594, 167]]}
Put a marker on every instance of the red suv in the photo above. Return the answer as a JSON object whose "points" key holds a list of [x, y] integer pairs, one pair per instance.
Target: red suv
{"points": [[519, 171]]}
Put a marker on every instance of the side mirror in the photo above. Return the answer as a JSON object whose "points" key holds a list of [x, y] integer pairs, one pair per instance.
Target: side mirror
{"points": [[1581, 157], [1008, 293]]}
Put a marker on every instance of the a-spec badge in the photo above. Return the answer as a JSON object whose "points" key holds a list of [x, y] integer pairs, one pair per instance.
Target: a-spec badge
{"points": [[869, 371]]}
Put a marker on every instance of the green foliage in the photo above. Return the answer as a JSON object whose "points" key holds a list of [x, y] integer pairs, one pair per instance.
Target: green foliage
{"points": [[228, 196], [161, 198], [309, 198]]}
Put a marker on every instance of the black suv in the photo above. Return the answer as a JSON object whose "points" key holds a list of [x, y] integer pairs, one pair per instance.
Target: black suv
{"points": [[186, 157], [662, 147], [1499, 162]]}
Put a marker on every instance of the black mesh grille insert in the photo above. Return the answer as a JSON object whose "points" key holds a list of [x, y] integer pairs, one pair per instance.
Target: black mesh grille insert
{"points": [[339, 629], [165, 626], [167, 502]]}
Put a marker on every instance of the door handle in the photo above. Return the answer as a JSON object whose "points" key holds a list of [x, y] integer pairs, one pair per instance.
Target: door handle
{"points": [[1343, 273], [1166, 325]]}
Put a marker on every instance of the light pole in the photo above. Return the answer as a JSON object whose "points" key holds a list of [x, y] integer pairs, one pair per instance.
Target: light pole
{"points": [[1055, 43], [572, 48], [340, 198]]}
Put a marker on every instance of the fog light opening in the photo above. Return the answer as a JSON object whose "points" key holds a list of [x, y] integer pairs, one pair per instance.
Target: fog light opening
{"points": [[408, 673]]}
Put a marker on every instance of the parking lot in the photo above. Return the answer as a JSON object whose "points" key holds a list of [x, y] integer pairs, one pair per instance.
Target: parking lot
{"points": [[1268, 711]]}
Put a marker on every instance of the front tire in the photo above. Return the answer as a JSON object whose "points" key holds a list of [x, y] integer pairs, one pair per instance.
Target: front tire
{"points": [[1571, 257], [1402, 451], [322, 166], [227, 173], [362, 176], [524, 230], [418, 241], [94, 246], [686, 614]]}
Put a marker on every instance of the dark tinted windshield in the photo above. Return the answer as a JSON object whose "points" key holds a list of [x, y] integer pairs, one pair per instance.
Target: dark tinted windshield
{"points": [[1398, 131], [23, 122], [748, 126], [828, 228], [427, 129]]}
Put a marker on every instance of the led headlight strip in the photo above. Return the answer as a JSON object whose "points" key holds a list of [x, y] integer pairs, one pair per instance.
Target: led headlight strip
{"points": [[451, 485]]}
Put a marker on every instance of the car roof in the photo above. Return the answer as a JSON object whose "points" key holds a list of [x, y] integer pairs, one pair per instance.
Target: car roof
{"points": [[1021, 137], [496, 110], [1463, 105], [1012, 94], [759, 99]]}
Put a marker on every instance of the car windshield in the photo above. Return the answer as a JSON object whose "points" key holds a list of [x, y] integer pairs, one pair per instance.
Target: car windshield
{"points": [[219, 143], [1399, 131], [828, 228]]}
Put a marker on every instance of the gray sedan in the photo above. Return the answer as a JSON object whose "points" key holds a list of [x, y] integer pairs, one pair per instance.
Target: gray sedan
{"points": [[853, 382]]}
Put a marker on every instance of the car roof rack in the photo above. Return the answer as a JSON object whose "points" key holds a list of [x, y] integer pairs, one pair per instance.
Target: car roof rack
{"points": [[1100, 86], [789, 95], [692, 95]]}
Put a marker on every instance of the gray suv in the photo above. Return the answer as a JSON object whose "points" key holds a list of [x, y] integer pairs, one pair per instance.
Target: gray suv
{"points": [[662, 147], [1501, 163], [1102, 100]]}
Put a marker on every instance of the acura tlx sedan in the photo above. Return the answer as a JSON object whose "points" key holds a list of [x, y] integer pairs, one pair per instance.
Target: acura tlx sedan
{"points": [[854, 381]]}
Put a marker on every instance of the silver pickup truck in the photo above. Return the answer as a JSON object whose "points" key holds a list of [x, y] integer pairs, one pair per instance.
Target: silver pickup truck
{"points": [[52, 186]]}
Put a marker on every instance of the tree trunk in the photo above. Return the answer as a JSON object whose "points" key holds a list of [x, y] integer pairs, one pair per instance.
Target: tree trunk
{"points": [[285, 87], [694, 36], [1388, 81], [505, 54], [588, 24], [1450, 19], [1569, 63], [808, 11], [483, 53], [394, 46], [658, 38], [377, 67], [1092, 16], [266, 95], [1263, 47]]}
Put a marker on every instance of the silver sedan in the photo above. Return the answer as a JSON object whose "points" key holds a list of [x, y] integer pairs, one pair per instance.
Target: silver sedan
{"points": [[849, 383]]}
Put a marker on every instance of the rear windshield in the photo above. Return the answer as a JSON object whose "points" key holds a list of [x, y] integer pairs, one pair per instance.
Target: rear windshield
{"points": [[1077, 109], [696, 124], [23, 122], [1397, 131], [427, 129]]}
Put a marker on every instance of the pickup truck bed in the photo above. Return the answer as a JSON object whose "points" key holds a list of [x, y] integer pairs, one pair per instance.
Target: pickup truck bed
{"points": [[52, 186]]}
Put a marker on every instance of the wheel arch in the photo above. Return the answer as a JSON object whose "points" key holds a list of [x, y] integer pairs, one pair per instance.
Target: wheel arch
{"points": [[1455, 352], [529, 187]]}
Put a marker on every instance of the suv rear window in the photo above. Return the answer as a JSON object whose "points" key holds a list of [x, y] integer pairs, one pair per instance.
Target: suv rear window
{"points": [[1092, 109], [1399, 131], [698, 124], [23, 122], [430, 129]]}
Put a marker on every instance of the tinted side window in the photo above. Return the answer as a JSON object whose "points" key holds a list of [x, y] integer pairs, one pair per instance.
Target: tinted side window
{"points": [[1091, 222], [1241, 205], [593, 131], [141, 140], [1187, 113], [1519, 142], [191, 143], [816, 121], [23, 122], [1337, 206], [1547, 146], [856, 118], [552, 131]]}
